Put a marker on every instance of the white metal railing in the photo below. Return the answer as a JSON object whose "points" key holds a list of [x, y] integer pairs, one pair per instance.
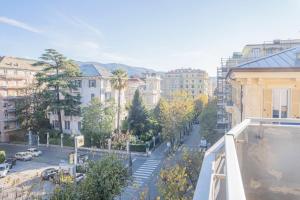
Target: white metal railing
{"points": [[208, 184], [234, 183]]}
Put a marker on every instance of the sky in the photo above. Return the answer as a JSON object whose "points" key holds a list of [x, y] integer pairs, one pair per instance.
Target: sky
{"points": [[157, 34]]}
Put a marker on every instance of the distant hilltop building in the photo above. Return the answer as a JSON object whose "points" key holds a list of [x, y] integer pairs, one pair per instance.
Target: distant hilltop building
{"points": [[193, 81], [149, 87], [15, 75]]}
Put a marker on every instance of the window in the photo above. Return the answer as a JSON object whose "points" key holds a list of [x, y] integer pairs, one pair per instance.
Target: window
{"points": [[255, 52], [67, 125], [92, 83], [55, 123], [280, 103], [92, 96], [107, 95], [78, 83], [79, 126]]}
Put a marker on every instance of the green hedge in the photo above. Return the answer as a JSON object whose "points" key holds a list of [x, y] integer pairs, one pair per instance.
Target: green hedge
{"points": [[138, 147], [2, 156], [143, 147]]}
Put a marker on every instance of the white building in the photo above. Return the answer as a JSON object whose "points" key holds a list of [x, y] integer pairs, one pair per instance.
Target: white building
{"points": [[94, 82], [149, 87]]}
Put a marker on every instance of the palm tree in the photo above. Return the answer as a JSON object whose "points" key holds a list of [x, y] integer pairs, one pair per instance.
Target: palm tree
{"points": [[119, 82]]}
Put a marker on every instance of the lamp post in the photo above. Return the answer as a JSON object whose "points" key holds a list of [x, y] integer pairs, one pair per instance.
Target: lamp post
{"points": [[129, 158]]}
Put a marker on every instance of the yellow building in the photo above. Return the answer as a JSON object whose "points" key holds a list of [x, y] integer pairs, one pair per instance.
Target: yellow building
{"points": [[192, 81], [267, 87], [15, 75]]}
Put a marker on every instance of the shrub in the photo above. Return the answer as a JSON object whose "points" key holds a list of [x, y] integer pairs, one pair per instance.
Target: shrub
{"points": [[138, 147], [2, 156]]}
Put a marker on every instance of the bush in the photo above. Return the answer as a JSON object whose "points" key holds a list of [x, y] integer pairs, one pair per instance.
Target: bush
{"points": [[138, 147], [146, 136], [2, 156]]}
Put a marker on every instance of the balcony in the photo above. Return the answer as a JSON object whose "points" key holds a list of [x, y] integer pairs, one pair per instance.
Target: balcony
{"points": [[230, 108], [257, 159]]}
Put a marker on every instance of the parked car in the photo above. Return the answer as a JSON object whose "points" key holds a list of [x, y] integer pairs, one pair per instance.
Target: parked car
{"points": [[49, 173], [79, 177], [25, 156], [11, 161], [4, 169], [34, 152]]}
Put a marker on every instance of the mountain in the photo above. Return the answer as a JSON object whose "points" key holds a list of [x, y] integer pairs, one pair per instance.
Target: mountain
{"points": [[131, 70]]}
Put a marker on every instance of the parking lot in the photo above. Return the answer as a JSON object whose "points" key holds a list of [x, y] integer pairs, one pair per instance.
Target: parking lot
{"points": [[24, 178]]}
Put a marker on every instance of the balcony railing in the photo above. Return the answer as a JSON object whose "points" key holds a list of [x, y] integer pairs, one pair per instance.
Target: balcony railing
{"points": [[257, 159]]}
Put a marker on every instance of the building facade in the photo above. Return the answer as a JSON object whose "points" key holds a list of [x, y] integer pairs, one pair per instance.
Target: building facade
{"points": [[249, 52], [212, 85], [149, 87], [15, 75], [193, 81], [266, 88], [94, 82]]}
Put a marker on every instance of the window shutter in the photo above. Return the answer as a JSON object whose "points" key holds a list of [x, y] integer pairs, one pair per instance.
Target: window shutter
{"points": [[295, 103], [267, 103]]}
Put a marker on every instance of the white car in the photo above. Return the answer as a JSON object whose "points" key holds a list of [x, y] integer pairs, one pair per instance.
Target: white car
{"points": [[25, 156], [4, 169], [34, 152]]}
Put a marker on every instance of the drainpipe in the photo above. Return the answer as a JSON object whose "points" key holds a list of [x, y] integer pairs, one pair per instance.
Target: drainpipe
{"points": [[241, 103]]}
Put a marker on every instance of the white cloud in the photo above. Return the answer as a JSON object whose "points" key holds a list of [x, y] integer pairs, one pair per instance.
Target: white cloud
{"points": [[18, 24]]}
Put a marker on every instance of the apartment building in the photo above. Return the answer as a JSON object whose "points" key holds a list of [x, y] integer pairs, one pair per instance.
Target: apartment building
{"points": [[15, 75], [249, 52], [212, 85], [193, 81], [268, 87], [94, 82], [149, 87], [259, 157]]}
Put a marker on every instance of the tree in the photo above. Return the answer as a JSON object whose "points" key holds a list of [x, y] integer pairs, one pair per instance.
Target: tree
{"points": [[208, 121], [67, 192], [174, 184], [2, 156], [57, 79], [119, 82], [200, 103], [175, 116], [105, 179], [138, 116], [192, 162], [98, 122], [31, 109]]}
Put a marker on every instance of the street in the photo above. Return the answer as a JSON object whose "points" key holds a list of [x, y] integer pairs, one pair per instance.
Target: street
{"points": [[146, 171]]}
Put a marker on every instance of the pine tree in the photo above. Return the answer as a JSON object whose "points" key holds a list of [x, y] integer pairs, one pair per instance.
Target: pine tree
{"points": [[138, 115], [57, 80]]}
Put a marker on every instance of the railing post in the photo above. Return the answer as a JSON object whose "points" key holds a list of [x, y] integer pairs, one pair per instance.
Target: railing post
{"points": [[47, 139]]}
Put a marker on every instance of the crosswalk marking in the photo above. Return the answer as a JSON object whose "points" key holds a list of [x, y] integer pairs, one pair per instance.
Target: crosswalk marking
{"points": [[143, 173]]}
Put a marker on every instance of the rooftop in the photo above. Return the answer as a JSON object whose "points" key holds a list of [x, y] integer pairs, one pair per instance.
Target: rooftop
{"points": [[257, 159], [285, 59], [18, 63], [94, 70]]}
